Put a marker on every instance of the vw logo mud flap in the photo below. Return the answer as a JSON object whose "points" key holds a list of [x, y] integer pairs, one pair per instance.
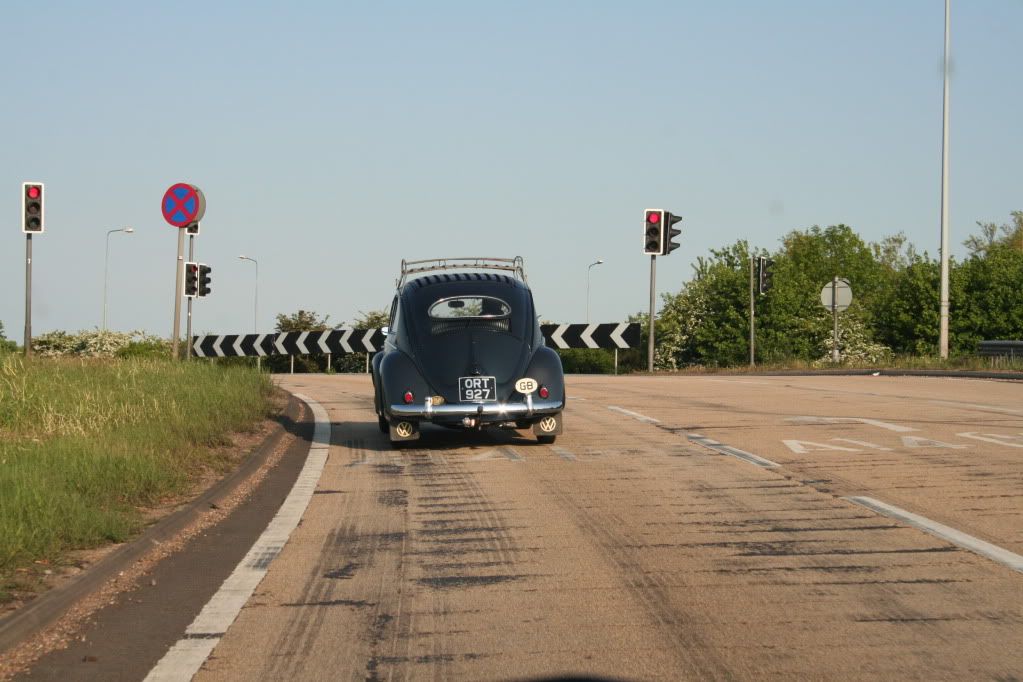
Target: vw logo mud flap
{"points": [[404, 430], [549, 425]]}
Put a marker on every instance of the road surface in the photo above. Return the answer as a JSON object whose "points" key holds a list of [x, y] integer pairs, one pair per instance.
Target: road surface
{"points": [[681, 528]]}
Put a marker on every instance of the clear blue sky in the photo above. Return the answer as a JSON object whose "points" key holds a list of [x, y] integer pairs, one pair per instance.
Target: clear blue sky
{"points": [[334, 139]]}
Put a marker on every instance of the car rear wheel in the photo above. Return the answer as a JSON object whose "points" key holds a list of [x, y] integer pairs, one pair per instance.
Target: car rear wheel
{"points": [[383, 425], [545, 440]]}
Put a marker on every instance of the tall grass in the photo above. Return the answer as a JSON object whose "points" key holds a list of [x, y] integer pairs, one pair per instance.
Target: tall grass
{"points": [[84, 444]]}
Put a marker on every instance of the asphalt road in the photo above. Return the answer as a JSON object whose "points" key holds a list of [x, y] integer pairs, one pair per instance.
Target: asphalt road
{"points": [[682, 528]]}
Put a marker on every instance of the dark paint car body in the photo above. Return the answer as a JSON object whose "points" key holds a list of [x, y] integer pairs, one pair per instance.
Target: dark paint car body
{"points": [[448, 327]]}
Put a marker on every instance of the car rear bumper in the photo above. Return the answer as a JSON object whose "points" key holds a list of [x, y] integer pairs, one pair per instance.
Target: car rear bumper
{"points": [[487, 411]]}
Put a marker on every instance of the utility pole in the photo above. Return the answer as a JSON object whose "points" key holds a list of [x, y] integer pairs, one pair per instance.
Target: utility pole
{"points": [[943, 331]]}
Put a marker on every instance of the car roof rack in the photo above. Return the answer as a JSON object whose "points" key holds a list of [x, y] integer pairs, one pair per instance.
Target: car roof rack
{"points": [[413, 267]]}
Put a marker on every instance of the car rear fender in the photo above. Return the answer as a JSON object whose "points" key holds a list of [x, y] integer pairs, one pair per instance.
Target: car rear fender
{"points": [[546, 368], [397, 374]]}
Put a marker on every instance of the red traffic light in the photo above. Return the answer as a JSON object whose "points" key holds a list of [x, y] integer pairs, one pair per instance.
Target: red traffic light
{"points": [[33, 191], [653, 217]]}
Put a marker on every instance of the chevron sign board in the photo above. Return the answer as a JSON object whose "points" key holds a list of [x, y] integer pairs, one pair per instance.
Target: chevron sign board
{"points": [[334, 341], [609, 335], [345, 341]]}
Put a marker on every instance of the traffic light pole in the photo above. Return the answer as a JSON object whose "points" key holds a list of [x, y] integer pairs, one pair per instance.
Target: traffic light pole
{"points": [[180, 264], [650, 342], [752, 316], [28, 295], [188, 324]]}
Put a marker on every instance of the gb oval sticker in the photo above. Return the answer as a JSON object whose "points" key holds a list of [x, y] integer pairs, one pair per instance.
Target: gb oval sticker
{"points": [[525, 386]]}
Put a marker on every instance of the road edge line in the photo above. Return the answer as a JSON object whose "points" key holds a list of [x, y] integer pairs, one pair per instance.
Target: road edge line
{"points": [[188, 654], [947, 533], [635, 415], [730, 451]]}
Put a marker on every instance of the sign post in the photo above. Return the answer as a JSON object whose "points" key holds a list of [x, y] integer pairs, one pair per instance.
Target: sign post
{"points": [[182, 206], [836, 296], [650, 341]]}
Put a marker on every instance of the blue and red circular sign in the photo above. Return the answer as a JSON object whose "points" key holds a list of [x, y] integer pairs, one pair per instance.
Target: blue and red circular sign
{"points": [[183, 205]]}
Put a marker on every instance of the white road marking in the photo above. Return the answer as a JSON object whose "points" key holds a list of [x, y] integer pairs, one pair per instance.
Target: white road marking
{"points": [[850, 420], [185, 658], [914, 442], [986, 408], [729, 450], [1000, 439], [869, 446], [956, 537], [563, 453], [801, 447], [634, 415]]}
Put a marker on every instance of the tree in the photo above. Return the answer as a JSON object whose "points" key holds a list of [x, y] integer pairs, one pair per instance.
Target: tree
{"points": [[992, 235], [5, 345], [356, 362], [302, 321]]}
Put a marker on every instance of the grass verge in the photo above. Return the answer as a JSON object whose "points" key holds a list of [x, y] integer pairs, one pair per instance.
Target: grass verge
{"points": [[87, 445]]}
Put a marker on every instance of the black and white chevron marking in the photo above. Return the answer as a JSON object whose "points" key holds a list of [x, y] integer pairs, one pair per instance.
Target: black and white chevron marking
{"points": [[608, 335], [345, 341], [334, 341]]}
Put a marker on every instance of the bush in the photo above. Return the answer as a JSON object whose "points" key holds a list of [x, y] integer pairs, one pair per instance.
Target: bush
{"points": [[98, 343]]}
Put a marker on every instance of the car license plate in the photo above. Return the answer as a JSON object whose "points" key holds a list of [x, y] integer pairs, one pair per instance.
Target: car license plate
{"points": [[477, 389]]}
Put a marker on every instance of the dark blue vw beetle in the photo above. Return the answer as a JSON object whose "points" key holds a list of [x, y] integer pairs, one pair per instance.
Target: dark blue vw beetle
{"points": [[464, 350]]}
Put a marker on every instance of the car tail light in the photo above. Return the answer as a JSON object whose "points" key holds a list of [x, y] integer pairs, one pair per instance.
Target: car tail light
{"points": [[409, 397], [544, 393]]}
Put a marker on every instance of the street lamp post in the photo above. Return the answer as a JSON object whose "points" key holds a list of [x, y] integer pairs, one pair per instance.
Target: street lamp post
{"points": [[255, 307], [106, 269], [597, 262]]}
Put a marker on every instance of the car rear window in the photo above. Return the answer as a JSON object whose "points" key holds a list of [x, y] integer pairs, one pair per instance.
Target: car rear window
{"points": [[464, 312]]}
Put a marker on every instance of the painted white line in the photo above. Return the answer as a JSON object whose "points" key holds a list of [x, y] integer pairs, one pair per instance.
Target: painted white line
{"points": [[993, 552], [634, 415], [997, 438], [985, 408], [730, 451], [563, 453], [898, 428], [185, 658]]}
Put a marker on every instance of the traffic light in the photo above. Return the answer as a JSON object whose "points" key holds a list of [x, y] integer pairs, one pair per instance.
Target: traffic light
{"points": [[191, 279], [653, 232], [764, 266], [670, 232], [204, 280], [32, 208]]}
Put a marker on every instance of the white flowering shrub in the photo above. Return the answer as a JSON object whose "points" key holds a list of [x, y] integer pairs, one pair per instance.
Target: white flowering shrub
{"points": [[855, 346], [93, 343]]}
